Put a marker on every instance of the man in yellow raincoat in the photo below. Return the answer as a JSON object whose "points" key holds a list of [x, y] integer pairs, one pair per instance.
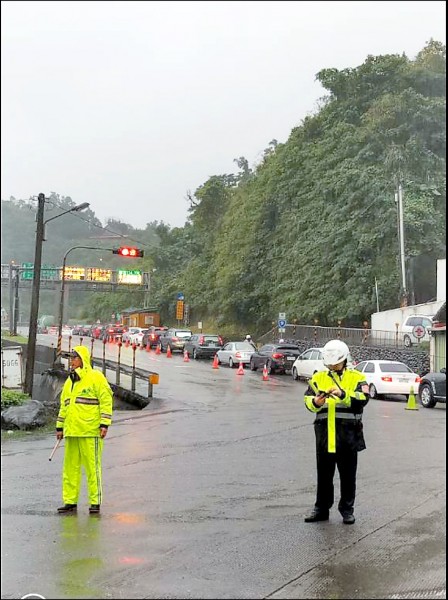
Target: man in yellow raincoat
{"points": [[337, 396], [83, 420]]}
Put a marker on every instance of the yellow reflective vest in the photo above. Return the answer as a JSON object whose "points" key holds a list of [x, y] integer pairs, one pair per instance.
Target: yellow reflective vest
{"points": [[347, 411], [86, 401]]}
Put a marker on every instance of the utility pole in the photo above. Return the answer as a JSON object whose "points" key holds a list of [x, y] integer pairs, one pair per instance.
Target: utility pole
{"points": [[11, 298], [34, 312], [404, 300], [16, 302]]}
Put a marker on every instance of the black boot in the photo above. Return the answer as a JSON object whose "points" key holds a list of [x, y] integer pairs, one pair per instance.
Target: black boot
{"points": [[94, 509], [67, 508], [348, 518], [317, 515]]}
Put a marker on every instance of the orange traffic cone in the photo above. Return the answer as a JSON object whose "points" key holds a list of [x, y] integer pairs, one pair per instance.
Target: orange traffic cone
{"points": [[215, 362], [128, 343], [148, 347], [186, 357], [265, 373], [158, 351], [240, 369], [169, 354]]}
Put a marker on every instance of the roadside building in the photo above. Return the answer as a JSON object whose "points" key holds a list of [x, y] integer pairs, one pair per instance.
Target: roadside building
{"points": [[437, 344], [140, 317]]}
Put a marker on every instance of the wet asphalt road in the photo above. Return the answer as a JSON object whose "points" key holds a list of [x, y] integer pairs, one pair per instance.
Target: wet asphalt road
{"points": [[204, 496]]}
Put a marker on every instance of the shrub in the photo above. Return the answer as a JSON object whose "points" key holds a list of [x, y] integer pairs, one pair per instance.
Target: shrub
{"points": [[12, 398]]}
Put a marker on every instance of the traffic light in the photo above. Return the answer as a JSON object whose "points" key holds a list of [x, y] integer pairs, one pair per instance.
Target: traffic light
{"points": [[129, 252]]}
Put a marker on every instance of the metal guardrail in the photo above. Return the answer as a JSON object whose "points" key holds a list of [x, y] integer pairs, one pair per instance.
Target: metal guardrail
{"points": [[151, 377], [319, 335]]}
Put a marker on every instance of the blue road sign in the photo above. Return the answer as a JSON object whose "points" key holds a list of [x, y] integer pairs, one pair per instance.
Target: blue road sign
{"points": [[180, 296], [281, 323]]}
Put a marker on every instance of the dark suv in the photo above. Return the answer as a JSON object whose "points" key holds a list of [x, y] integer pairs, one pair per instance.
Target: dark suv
{"points": [[174, 338], [152, 336], [203, 344]]}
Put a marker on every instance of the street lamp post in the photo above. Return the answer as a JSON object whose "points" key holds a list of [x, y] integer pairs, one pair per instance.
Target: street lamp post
{"points": [[34, 311], [61, 302]]}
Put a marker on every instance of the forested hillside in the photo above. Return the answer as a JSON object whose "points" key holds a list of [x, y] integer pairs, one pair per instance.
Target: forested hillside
{"points": [[309, 229]]}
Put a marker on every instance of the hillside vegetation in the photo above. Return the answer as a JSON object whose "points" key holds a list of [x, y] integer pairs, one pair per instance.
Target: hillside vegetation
{"points": [[309, 229]]}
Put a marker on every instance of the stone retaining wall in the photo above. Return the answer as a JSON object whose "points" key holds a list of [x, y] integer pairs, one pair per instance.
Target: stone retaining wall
{"points": [[417, 360]]}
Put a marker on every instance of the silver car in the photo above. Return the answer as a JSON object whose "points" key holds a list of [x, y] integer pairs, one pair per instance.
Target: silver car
{"points": [[234, 353]]}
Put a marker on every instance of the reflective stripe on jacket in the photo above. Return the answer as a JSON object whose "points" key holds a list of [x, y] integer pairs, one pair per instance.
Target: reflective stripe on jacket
{"points": [[85, 403], [334, 410]]}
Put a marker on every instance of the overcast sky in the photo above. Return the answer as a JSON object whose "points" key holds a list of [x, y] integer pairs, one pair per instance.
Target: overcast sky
{"points": [[127, 105]]}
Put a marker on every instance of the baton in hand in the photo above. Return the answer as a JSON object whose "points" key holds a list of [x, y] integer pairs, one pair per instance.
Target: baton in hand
{"points": [[56, 446]]}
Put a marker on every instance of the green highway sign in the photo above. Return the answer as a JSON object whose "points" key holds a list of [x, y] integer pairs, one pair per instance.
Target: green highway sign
{"points": [[48, 272]]}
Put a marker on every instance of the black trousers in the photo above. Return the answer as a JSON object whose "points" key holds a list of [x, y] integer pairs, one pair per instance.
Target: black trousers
{"points": [[346, 459]]}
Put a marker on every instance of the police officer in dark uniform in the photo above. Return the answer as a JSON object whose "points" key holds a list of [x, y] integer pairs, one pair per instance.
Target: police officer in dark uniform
{"points": [[337, 397]]}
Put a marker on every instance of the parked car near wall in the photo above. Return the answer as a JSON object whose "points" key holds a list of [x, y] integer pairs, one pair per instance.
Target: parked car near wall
{"points": [[432, 388], [423, 322]]}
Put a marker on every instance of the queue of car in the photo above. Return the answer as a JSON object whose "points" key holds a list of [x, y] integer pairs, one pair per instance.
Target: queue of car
{"points": [[384, 377]]}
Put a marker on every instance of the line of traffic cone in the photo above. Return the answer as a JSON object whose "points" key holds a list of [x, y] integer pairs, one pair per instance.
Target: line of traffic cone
{"points": [[265, 373], [186, 357], [215, 364], [411, 405], [158, 350], [240, 369], [169, 354]]}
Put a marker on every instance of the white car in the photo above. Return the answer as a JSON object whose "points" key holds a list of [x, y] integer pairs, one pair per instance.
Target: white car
{"points": [[138, 337], [133, 335], [388, 377], [310, 362], [234, 353], [415, 329]]}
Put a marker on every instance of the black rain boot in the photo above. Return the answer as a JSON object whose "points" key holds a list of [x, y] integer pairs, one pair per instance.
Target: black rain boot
{"points": [[316, 515], [67, 508]]}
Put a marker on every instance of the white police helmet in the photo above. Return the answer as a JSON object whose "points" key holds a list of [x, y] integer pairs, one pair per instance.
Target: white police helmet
{"points": [[248, 336], [335, 352]]}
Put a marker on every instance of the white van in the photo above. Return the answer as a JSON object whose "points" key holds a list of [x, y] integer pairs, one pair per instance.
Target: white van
{"points": [[412, 329]]}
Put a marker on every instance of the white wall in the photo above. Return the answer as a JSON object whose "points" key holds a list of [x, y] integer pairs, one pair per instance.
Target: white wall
{"points": [[386, 319], [441, 279]]}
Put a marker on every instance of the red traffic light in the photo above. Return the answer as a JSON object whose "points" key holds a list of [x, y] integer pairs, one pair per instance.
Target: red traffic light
{"points": [[127, 251]]}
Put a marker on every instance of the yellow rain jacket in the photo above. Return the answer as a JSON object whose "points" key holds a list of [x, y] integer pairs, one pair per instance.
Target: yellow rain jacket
{"points": [[86, 401], [338, 422]]}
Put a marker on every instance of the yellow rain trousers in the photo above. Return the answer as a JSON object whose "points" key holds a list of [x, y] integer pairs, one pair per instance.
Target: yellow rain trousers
{"points": [[85, 452]]}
